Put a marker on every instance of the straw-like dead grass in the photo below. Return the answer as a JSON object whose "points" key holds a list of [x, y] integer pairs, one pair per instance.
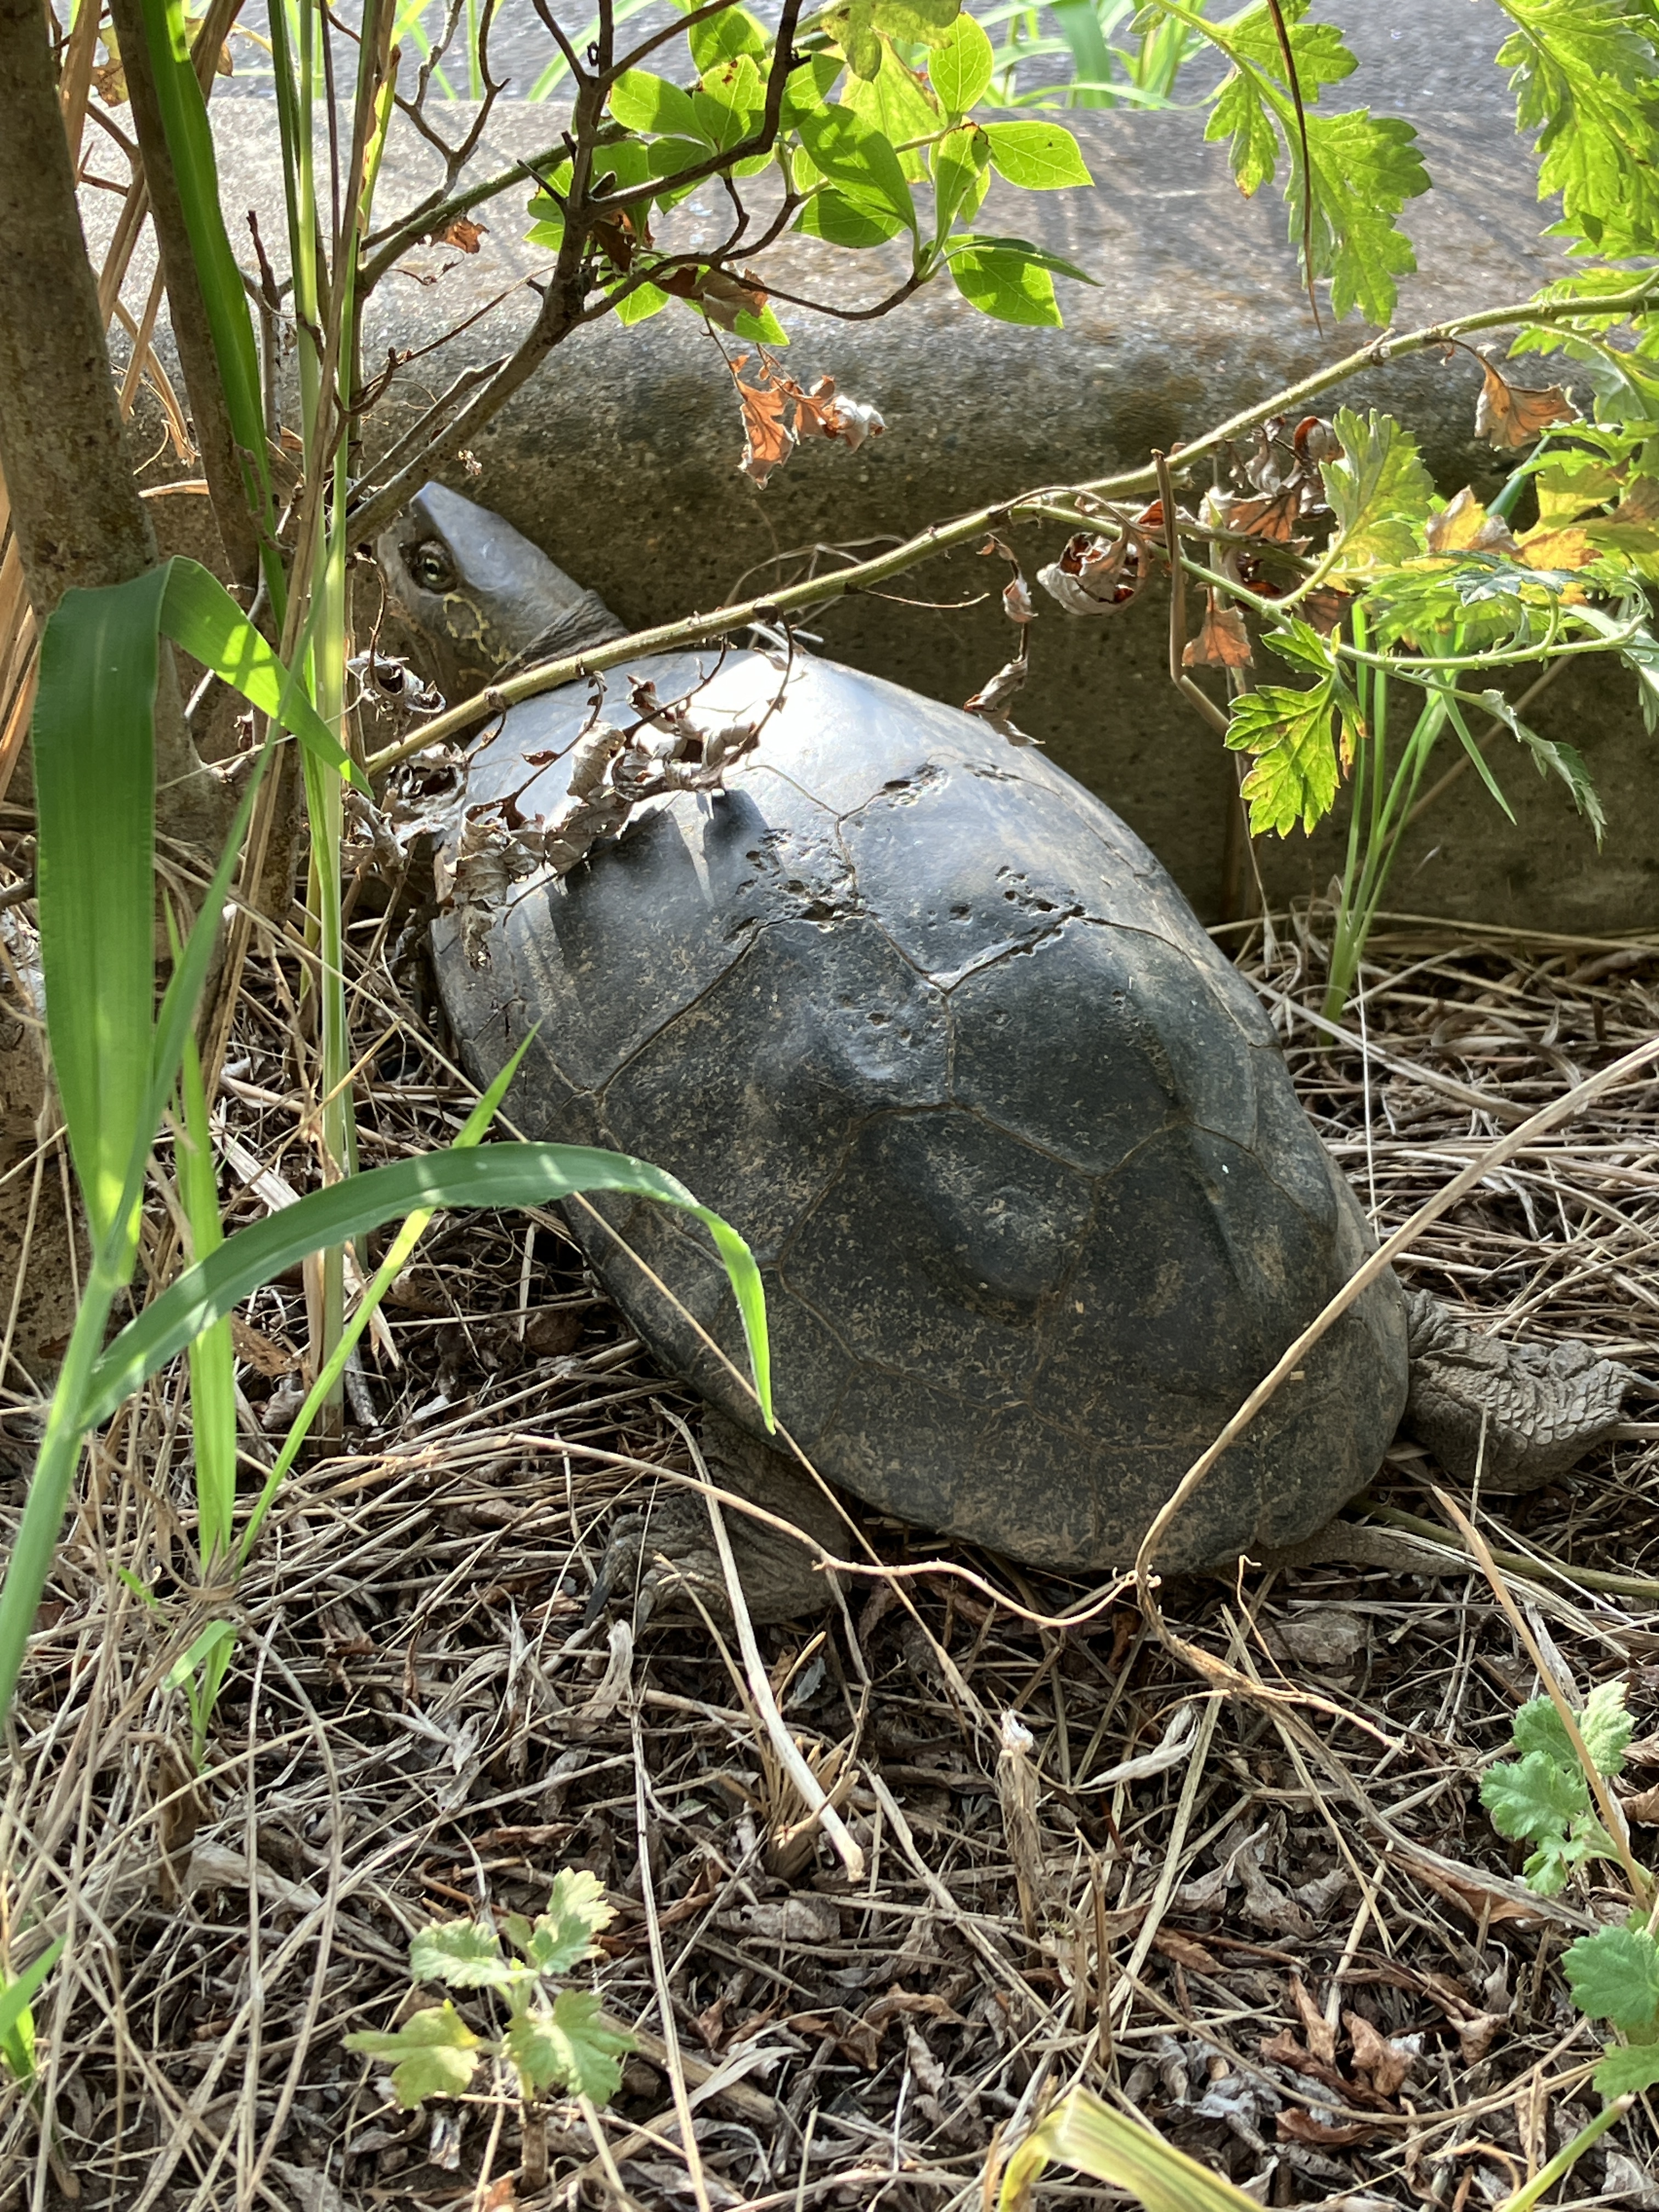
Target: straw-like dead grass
{"points": [[1280, 1926]]}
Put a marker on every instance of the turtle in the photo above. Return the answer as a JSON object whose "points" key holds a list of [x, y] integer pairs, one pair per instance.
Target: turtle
{"points": [[1034, 1199]]}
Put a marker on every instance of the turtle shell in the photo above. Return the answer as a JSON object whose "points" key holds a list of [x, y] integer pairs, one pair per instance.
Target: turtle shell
{"points": [[1034, 1200]]}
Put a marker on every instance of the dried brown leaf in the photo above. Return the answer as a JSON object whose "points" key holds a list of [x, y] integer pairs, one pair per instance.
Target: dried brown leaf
{"points": [[462, 233], [1463, 525], [1294, 2125], [1186, 1951], [1322, 2036], [1511, 414], [1222, 641], [1386, 2062]]}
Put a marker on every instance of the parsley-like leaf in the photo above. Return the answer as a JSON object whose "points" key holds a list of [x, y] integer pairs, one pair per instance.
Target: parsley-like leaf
{"points": [[1586, 78], [1379, 491], [1363, 167], [1292, 735], [1614, 1975]]}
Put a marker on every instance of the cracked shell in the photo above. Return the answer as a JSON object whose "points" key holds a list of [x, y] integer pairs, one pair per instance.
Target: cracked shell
{"points": [[1034, 1202]]}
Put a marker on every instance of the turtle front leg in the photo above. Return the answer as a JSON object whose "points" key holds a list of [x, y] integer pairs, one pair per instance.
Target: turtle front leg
{"points": [[659, 1557], [1542, 1406]]}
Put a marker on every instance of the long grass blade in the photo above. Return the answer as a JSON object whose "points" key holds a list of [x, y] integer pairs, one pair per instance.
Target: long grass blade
{"points": [[472, 1132], [1083, 2132], [95, 771], [189, 142], [496, 1176], [212, 1357]]}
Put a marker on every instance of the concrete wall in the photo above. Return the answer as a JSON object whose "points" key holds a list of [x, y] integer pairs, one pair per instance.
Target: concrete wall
{"points": [[621, 456]]}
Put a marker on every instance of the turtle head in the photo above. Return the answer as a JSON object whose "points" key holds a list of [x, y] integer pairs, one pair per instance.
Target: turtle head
{"points": [[483, 596]]}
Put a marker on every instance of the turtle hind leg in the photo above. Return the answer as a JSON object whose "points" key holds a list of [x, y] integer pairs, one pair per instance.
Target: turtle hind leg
{"points": [[1540, 1407], [661, 1556]]}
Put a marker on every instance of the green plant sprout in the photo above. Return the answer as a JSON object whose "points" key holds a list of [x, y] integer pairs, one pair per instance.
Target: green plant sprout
{"points": [[552, 2038], [1548, 1797]]}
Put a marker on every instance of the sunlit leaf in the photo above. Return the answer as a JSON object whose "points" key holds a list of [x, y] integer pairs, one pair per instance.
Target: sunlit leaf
{"points": [[465, 1954], [1614, 1975], [568, 2047], [434, 2053]]}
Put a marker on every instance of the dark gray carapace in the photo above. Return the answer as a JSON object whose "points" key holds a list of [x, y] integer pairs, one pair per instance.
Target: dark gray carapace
{"points": [[1034, 1199]]}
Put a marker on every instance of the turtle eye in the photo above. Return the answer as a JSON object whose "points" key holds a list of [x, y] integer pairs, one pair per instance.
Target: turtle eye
{"points": [[430, 566]]}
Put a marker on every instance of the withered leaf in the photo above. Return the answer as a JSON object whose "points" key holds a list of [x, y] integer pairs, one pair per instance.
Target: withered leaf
{"points": [[1388, 2062], [1475, 2037], [992, 701], [1222, 641], [768, 438], [1463, 525], [724, 297], [1322, 2036], [1273, 518], [1095, 576], [1185, 1950], [462, 233], [1510, 415], [1566, 547]]}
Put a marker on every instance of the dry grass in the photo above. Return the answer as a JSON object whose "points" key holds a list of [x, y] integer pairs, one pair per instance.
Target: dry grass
{"points": [[1288, 1936]]}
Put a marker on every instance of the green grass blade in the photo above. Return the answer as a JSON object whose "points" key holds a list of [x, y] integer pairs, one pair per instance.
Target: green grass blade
{"points": [[189, 142], [473, 1132], [496, 1176], [199, 614], [95, 772], [1080, 25], [17, 2021], [212, 1360]]}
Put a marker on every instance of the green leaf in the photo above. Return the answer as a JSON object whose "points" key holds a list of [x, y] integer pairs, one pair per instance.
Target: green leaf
{"points": [[764, 328], [842, 219], [849, 151], [1537, 1727], [224, 298], [1554, 756], [1379, 491], [568, 2047], [17, 2020], [1039, 157], [917, 22], [495, 1176], [465, 1954], [896, 102], [960, 66], [183, 1669], [1041, 257], [1584, 79], [1615, 1976], [1292, 736], [638, 304], [722, 38], [95, 791], [808, 87], [1363, 167], [729, 103], [960, 161], [1535, 1797], [212, 1357], [641, 101], [1301, 644], [199, 614], [1003, 282], [1626, 2072], [434, 2050], [1604, 1725], [576, 1910]]}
